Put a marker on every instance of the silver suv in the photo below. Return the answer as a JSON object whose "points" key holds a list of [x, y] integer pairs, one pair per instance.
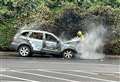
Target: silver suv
{"points": [[27, 42]]}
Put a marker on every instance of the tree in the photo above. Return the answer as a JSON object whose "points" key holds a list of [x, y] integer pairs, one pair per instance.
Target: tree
{"points": [[15, 8]]}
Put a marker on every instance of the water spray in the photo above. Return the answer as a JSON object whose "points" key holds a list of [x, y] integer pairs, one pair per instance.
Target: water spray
{"points": [[92, 46]]}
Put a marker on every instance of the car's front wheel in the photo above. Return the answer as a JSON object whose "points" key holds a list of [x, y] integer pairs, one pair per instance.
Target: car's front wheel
{"points": [[24, 51], [68, 54]]}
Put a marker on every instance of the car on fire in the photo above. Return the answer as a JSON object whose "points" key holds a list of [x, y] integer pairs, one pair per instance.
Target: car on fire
{"points": [[27, 42]]}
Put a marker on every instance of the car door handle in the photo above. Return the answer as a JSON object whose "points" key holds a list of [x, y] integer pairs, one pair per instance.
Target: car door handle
{"points": [[27, 40]]}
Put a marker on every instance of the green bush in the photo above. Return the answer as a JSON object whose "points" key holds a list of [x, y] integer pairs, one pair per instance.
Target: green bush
{"points": [[112, 48], [7, 32]]}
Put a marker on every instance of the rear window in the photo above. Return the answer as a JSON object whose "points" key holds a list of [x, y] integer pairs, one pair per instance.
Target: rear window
{"points": [[37, 35], [25, 33]]}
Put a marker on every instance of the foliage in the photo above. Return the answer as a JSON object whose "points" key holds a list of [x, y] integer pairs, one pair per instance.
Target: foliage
{"points": [[15, 8], [7, 31], [60, 17], [112, 48]]}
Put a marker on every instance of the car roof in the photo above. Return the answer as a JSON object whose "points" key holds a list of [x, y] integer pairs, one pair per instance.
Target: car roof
{"points": [[34, 31], [39, 31]]}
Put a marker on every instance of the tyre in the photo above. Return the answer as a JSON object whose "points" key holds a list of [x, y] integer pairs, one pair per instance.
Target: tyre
{"points": [[24, 51], [68, 54]]}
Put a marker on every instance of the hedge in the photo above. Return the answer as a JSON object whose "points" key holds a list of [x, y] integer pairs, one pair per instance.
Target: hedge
{"points": [[7, 31]]}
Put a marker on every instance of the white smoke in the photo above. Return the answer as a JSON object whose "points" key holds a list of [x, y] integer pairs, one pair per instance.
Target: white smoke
{"points": [[92, 46]]}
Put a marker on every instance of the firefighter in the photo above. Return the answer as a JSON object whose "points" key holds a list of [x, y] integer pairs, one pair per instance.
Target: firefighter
{"points": [[80, 35]]}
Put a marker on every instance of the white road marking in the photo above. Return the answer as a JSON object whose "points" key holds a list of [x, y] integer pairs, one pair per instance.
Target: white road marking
{"points": [[110, 75], [98, 64], [40, 75], [92, 73], [79, 76], [3, 70], [84, 71], [52, 70], [65, 70], [117, 72], [13, 81], [3, 75]]}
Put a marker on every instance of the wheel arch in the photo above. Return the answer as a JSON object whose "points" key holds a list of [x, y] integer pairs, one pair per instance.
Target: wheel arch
{"points": [[25, 45], [69, 49]]}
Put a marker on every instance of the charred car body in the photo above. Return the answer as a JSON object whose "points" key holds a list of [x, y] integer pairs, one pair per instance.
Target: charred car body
{"points": [[27, 42]]}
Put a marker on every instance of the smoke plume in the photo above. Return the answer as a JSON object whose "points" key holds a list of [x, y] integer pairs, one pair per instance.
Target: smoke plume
{"points": [[92, 46]]}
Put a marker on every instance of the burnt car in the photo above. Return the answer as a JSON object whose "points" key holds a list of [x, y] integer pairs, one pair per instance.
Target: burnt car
{"points": [[28, 42]]}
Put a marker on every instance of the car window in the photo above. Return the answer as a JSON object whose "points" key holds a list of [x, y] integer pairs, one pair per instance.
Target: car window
{"points": [[25, 33], [37, 35], [50, 38]]}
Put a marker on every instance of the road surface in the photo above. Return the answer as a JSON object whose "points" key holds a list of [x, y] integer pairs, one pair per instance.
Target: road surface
{"points": [[50, 69]]}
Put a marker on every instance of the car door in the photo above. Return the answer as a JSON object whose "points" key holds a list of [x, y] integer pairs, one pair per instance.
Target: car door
{"points": [[36, 40], [51, 43]]}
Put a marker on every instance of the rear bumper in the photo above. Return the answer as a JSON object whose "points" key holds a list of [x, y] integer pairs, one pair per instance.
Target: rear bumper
{"points": [[13, 46]]}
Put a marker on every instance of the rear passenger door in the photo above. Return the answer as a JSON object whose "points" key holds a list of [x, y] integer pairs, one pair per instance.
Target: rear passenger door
{"points": [[36, 40]]}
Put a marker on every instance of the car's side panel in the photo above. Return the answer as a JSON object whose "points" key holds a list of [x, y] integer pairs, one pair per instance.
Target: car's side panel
{"points": [[19, 40], [67, 46], [50, 44], [36, 44]]}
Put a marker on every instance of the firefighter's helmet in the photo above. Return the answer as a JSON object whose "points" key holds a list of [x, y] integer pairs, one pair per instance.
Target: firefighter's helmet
{"points": [[79, 33]]}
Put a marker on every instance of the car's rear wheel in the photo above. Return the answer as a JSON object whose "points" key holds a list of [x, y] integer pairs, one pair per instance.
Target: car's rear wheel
{"points": [[24, 51], [68, 54]]}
